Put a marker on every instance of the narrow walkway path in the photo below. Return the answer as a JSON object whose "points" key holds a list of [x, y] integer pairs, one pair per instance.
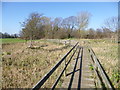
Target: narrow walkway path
{"points": [[81, 75], [87, 80]]}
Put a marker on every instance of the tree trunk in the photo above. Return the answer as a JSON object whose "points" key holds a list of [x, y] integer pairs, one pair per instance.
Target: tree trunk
{"points": [[30, 44]]}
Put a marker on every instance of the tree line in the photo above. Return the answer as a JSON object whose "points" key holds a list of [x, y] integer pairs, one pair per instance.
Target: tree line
{"points": [[6, 35], [38, 26]]}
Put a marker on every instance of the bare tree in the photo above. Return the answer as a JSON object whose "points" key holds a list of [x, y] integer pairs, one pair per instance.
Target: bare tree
{"points": [[69, 24], [56, 24], [83, 20], [112, 24]]}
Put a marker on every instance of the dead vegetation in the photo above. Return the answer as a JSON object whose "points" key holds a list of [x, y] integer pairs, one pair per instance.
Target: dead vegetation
{"points": [[107, 53], [23, 67]]}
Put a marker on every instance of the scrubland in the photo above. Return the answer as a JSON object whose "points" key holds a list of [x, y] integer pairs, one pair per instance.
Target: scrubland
{"points": [[23, 67], [106, 51]]}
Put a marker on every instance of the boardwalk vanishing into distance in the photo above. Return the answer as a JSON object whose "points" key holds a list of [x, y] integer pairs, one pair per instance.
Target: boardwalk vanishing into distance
{"points": [[60, 45], [81, 76], [85, 70]]}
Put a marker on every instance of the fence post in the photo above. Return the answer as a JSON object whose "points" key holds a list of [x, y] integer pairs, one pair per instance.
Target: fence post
{"points": [[65, 43], [65, 70]]}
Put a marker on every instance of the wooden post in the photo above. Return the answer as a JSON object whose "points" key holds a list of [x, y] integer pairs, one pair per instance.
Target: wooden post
{"points": [[65, 43], [65, 70]]}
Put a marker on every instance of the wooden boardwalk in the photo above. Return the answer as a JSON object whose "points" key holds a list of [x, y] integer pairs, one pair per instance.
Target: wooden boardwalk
{"points": [[85, 70], [83, 75]]}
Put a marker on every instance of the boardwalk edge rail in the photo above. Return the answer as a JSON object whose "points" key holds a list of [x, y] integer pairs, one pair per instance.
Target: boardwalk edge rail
{"points": [[99, 70], [44, 79]]}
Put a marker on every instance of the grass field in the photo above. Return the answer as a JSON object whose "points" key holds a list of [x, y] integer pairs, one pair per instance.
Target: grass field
{"points": [[11, 40], [107, 53], [23, 67], [15, 40]]}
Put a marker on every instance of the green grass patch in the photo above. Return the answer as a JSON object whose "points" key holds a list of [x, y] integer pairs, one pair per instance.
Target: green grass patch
{"points": [[14, 40], [11, 40], [91, 67]]}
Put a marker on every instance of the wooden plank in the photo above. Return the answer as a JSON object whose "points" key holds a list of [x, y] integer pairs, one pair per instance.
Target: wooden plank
{"points": [[45, 78], [102, 72], [56, 82]]}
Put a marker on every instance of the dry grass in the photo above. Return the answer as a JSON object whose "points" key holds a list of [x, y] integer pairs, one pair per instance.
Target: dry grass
{"points": [[24, 67], [107, 53]]}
